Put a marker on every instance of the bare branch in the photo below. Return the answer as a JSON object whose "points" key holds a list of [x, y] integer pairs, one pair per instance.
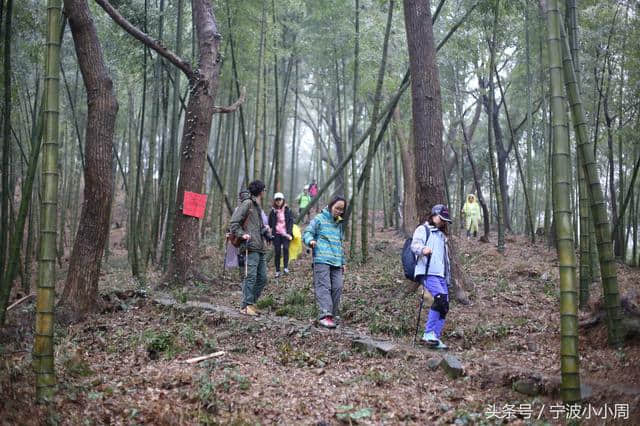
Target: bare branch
{"points": [[234, 106], [145, 39]]}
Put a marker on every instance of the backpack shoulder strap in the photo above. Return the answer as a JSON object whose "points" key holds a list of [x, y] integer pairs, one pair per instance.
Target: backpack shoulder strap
{"points": [[428, 232]]}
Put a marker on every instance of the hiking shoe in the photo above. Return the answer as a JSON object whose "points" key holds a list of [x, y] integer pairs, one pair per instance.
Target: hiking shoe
{"points": [[440, 346], [250, 310], [277, 274], [286, 271], [430, 339], [327, 322]]}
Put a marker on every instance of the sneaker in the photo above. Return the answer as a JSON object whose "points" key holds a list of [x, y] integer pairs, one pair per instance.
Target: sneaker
{"points": [[430, 339], [440, 346], [250, 310], [286, 271], [327, 322], [277, 274]]}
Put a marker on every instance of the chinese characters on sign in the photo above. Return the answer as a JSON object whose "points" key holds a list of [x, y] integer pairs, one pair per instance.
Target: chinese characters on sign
{"points": [[558, 411]]}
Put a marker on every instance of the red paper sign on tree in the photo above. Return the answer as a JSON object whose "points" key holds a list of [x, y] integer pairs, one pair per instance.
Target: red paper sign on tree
{"points": [[194, 204]]}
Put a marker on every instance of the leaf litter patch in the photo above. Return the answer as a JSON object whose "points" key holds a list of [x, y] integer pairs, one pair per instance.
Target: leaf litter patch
{"points": [[127, 365]]}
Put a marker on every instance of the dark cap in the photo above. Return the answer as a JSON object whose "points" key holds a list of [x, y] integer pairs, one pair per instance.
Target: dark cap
{"points": [[442, 211]]}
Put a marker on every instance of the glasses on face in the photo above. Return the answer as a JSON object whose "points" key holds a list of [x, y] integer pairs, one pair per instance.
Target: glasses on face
{"points": [[339, 209]]}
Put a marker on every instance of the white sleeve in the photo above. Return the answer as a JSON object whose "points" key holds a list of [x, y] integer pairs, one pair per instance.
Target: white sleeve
{"points": [[418, 241]]}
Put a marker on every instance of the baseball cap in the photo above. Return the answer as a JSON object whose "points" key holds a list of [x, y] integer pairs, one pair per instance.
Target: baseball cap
{"points": [[278, 196], [442, 211]]}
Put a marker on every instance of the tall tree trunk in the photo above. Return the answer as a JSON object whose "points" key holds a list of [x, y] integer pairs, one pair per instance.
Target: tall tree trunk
{"points": [[570, 388], [6, 138], [366, 173], [529, 184], [598, 206], [336, 127], [263, 152], [234, 66], [387, 193], [396, 184], [354, 129], [426, 106], [278, 117], [172, 199], [81, 288], [137, 235], [293, 138], [131, 181], [195, 140], [635, 212], [43, 345], [258, 139], [583, 203], [497, 187], [619, 222], [546, 138], [144, 219], [613, 199]]}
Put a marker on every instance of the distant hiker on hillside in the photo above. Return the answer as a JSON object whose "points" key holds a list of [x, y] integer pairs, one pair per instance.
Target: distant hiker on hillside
{"points": [[471, 211], [303, 199], [324, 235], [437, 278], [281, 224], [313, 192], [247, 223], [313, 189]]}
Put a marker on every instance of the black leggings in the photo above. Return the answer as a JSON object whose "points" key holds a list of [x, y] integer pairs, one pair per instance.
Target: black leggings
{"points": [[281, 242]]}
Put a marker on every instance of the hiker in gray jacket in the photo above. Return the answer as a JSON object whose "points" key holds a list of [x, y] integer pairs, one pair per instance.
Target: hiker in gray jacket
{"points": [[247, 223]]}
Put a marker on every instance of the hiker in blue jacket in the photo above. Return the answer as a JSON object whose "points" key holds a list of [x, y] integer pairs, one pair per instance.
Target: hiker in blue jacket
{"points": [[324, 235], [438, 276]]}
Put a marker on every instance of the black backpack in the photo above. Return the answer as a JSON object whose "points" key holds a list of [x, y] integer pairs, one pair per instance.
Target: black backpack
{"points": [[409, 259]]}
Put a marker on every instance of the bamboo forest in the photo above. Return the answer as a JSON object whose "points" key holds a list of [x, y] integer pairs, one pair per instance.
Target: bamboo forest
{"points": [[320, 212]]}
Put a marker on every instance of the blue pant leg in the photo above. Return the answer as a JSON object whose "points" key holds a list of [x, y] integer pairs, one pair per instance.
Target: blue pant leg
{"points": [[435, 285]]}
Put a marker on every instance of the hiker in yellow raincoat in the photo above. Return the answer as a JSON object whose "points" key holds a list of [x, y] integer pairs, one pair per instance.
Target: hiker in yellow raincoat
{"points": [[471, 211]]}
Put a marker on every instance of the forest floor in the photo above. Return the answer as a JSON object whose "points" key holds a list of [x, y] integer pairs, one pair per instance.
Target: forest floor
{"points": [[127, 365]]}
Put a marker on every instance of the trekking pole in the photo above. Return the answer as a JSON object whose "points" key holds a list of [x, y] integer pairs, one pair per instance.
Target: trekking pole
{"points": [[415, 335], [246, 259], [224, 258]]}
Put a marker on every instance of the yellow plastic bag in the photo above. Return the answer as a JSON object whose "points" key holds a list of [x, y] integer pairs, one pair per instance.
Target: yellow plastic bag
{"points": [[295, 246]]}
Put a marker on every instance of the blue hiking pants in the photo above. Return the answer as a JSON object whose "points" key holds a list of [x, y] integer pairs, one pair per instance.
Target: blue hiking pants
{"points": [[435, 285]]}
